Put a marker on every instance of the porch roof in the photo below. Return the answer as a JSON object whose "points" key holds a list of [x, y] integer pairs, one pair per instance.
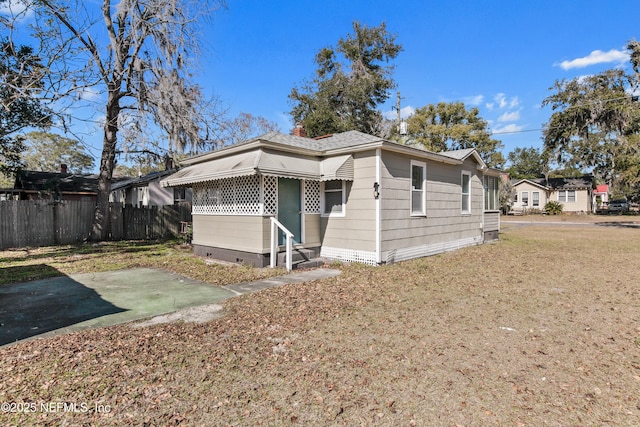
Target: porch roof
{"points": [[264, 162]]}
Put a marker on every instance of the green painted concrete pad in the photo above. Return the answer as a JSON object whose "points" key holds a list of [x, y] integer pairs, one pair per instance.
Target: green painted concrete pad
{"points": [[70, 303]]}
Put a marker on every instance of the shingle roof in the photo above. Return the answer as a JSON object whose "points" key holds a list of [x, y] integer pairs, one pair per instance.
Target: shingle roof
{"points": [[562, 183], [458, 154], [145, 179], [56, 181]]}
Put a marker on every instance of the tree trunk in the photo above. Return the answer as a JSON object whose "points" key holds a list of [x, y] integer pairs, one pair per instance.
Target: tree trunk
{"points": [[100, 225]]}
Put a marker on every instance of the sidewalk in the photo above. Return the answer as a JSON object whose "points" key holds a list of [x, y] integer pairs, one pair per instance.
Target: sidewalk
{"points": [[207, 312]]}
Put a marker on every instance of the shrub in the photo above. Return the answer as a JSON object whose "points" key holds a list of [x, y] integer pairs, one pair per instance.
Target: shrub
{"points": [[553, 208]]}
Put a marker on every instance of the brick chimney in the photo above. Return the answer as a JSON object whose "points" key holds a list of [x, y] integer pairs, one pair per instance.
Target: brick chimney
{"points": [[299, 131], [63, 168]]}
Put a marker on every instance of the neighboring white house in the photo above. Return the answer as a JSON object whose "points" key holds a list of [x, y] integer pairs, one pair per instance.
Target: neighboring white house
{"points": [[146, 191], [575, 194], [348, 196]]}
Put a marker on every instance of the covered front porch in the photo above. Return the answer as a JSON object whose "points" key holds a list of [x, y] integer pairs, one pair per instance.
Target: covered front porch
{"points": [[235, 197]]}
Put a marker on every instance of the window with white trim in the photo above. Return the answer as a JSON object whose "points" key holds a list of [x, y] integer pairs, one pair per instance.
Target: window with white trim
{"points": [[491, 197], [525, 198], [333, 198], [466, 192], [418, 188], [567, 196], [535, 199]]}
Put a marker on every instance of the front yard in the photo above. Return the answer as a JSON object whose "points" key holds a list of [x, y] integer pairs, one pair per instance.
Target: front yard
{"points": [[540, 328]]}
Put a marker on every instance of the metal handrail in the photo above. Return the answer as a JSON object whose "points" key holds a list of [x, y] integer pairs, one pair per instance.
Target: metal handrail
{"points": [[275, 225]]}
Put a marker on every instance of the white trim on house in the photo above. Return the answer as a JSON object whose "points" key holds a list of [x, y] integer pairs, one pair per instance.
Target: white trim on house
{"points": [[420, 251], [423, 190], [349, 255], [323, 191], [379, 206], [466, 195]]}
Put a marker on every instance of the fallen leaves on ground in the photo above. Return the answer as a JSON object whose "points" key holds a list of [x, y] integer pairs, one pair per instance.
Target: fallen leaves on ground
{"points": [[539, 328]]}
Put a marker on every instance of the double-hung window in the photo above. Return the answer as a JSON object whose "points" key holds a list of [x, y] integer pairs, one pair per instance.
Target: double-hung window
{"points": [[535, 196], [333, 198], [466, 192], [568, 196], [525, 198], [418, 188]]}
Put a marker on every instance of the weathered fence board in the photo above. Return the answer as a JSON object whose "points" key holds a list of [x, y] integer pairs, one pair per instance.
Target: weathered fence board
{"points": [[39, 223]]}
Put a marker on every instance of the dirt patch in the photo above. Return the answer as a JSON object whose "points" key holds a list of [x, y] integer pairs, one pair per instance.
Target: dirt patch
{"points": [[541, 328], [200, 314]]}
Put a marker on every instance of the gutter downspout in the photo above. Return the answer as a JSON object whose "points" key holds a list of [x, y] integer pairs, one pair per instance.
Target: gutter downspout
{"points": [[378, 207]]}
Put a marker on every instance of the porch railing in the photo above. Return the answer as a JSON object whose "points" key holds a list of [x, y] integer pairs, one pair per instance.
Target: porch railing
{"points": [[275, 226]]}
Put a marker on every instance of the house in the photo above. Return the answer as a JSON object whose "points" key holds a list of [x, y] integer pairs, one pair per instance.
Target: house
{"points": [[146, 191], [348, 196], [58, 186], [601, 196], [37, 185], [575, 194]]}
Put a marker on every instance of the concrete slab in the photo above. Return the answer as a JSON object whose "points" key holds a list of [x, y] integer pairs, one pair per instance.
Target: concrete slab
{"points": [[80, 301], [70, 303]]}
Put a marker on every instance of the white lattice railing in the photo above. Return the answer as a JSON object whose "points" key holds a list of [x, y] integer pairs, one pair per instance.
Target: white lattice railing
{"points": [[275, 225]]}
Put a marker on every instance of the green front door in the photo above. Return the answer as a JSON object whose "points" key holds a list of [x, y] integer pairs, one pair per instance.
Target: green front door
{"points": [[289, 208]]}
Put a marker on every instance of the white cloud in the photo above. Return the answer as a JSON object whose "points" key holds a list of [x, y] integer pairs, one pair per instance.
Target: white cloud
{"points": [[15, 8], [473, 100], [502, 101], [489, 105], [595, 57], [511, 116], [88, 94], [510, 128], [405, 112]]}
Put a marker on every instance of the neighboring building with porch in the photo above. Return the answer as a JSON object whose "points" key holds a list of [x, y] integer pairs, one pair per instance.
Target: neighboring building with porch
{"points": [[348, 196]]}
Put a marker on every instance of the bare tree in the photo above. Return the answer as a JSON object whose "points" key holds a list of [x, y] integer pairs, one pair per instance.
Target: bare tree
{"points": [[139, 54]]}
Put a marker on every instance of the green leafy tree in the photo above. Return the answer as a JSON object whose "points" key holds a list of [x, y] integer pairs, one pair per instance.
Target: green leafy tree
{"points": [[47, 151], [595, 125], [526, 163], [21, 75], [351, 81], [451, 126]]}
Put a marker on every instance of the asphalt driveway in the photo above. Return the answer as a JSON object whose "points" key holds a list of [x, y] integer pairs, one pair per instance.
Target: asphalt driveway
{"points": [[80, 301]]}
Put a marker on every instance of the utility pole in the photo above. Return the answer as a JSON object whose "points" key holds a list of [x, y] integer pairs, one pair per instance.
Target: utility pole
{"points": [[402, 127], [398, 109]]}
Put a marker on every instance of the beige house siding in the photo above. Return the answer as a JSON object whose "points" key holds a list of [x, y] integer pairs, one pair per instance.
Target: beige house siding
{"points": [[312, 230], [245, 233], [527, 187], [444, 221], [491, 221], [582, 203], [356, 229]]}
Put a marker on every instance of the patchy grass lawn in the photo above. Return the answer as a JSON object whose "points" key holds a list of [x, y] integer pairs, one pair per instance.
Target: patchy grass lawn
{"points": [[541, 328], [40, 263]]}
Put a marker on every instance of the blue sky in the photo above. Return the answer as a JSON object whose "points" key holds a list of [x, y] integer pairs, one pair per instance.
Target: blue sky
{"points": [[501, 56]]}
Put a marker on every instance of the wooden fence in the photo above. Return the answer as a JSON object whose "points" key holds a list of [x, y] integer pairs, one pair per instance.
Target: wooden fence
{"points": [[40, 223]]}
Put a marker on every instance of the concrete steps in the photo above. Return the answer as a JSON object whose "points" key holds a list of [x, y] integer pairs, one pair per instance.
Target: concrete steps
{"points": [[301, 258]]}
